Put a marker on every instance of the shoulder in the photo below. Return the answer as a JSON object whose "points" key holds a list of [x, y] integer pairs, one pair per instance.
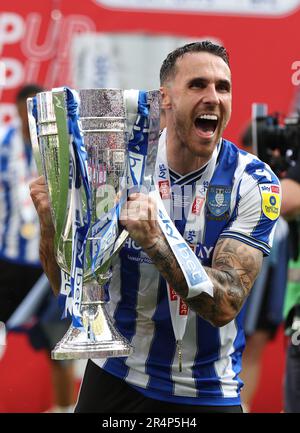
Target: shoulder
{"points": [[257, 188], [250, 163], [256, 172], [250, 174], [243, 161]]}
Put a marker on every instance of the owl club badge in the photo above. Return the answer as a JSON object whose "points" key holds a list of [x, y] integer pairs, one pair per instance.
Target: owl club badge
{"points": [[270, 195], [218, 199]]}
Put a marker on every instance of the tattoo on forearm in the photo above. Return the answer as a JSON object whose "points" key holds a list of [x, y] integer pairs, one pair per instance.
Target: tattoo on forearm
{"points": [[163, 258], [234, 269]]}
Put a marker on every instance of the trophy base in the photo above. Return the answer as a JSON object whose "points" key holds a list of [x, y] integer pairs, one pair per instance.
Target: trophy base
{"points": [[98, 338]]}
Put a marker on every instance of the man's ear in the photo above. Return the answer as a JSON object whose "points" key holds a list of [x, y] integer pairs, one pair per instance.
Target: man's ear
{"points": [[165, 98]]}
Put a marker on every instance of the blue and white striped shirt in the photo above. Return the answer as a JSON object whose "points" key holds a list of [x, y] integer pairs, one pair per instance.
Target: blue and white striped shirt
{"points": [[19, 225], [248, 194]]}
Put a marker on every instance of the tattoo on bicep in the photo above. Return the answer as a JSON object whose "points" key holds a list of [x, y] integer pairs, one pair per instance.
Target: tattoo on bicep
{"points": [[234, 269], [242, 263]]}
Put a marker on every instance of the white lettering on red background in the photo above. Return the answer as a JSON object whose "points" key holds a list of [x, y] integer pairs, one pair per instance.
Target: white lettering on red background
{"points": [[53, 51]]}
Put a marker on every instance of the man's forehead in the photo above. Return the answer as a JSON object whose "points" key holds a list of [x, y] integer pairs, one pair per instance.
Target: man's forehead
{"points": [[202, 62]]}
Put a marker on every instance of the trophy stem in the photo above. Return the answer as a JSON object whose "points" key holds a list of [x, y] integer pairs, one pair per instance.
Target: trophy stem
{"points": [[98, 338]]}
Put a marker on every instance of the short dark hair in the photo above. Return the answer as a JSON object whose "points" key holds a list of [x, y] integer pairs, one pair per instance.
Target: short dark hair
{"points": [[28, 90], [168, 67]]}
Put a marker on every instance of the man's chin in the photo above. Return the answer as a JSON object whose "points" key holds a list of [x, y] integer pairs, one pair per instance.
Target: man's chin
{"points": [[208, 144]]}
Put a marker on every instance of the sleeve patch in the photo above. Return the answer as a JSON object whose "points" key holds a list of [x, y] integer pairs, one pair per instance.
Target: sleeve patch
{"points": [[270, 195]]}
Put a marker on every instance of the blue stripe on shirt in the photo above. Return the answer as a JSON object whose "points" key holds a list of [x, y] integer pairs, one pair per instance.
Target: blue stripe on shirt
{"points": [[7, 201], [125, 313], [163, 347], [206, 379], [239, 345]]}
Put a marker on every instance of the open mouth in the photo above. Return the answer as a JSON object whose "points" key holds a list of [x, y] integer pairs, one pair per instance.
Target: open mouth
{"points": [[206, 124]]}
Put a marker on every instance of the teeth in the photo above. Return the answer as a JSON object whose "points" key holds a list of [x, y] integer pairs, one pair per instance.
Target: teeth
{"points": [[209, 116]]}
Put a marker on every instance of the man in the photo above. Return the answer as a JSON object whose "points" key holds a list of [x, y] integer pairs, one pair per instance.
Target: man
{"points": [[229, 189], [20, 266]]}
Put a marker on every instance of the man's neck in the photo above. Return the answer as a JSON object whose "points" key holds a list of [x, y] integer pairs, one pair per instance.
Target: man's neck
{"points": [[182, 161], [183, 164]]}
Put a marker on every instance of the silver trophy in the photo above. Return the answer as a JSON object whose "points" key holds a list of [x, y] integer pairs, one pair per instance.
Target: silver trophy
{"points": [[107, 120]]}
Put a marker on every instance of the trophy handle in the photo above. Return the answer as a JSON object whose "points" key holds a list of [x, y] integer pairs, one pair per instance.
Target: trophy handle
{"points": [[34, 137], [63, 213]]}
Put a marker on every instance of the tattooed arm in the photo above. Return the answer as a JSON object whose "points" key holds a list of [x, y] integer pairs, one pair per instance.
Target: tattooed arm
{"points": [[235, 265], [234, 268]]}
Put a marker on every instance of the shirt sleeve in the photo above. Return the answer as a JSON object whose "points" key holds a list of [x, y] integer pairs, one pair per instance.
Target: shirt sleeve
{"points": [[256, 211]]}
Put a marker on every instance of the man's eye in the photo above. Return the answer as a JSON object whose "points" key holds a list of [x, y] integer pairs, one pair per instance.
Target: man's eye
{"points": [[197, 84], [223, 88]]}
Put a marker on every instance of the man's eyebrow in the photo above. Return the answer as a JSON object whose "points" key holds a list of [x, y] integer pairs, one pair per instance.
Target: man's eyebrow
{"points": [[200, 81]]}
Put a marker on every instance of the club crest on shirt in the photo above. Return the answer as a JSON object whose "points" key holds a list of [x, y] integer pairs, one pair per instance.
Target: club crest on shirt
{"points": [[270, 195], [218, 199]]}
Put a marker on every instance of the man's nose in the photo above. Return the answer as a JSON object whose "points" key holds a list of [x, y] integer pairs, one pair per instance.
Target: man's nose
{"points": [[210, 95]]}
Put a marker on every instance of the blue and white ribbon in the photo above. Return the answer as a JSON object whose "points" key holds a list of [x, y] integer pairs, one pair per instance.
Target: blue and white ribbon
{"points": [[195, 275], [139, 134], [105, 230], [105, 233], [65, 299], [81, 209]]}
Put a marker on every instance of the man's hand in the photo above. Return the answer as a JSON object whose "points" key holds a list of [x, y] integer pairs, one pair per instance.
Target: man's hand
{"points": [[139, 218], [40, 198]]}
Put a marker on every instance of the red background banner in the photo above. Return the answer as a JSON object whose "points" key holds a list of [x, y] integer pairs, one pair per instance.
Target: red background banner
{"points": [[35, 38]]}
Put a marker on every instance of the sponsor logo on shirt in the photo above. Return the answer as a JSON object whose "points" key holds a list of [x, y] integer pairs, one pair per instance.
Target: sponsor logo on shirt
{"points": [[197, 205], [270, 200], [275, 188], [183, 308], [134, 251], [131, 245], [173, 294], [194, 273], [164, 189], [162, 171]]}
